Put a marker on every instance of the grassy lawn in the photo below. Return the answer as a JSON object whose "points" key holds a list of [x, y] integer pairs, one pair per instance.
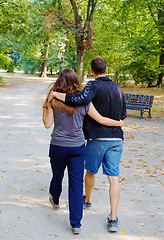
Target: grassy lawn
{"points": [[157, 110]]}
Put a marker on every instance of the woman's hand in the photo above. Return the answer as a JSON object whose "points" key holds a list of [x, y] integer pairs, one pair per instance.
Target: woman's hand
{"points": [[50, 96], [121, 123]]}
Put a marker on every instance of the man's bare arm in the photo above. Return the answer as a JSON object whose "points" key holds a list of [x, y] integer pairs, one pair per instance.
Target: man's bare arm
{"points": [[58, 95]]}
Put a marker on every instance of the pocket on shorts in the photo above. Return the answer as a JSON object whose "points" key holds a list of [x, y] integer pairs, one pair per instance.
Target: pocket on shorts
{"points": [[117, 146]]}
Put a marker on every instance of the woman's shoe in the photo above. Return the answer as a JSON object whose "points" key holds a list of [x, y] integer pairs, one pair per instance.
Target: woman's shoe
{"points": [[55, 207]]}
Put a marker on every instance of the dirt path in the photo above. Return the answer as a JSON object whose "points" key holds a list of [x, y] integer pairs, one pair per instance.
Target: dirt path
{"points": [[25, 213]]}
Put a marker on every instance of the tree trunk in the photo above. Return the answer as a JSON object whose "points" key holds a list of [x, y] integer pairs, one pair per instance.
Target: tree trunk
{"points": [[160, 82], [79, 66], [43, 72], [83, 40]]}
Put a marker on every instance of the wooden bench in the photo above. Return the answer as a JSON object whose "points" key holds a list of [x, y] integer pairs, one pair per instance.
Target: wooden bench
{"points": [[142, 103]]}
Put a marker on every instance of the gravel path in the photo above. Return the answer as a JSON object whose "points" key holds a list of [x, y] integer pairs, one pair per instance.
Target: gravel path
{"points": [[25, 213]]}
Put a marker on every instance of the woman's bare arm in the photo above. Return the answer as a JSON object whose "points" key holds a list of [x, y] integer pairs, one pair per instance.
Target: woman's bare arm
{"points": [[93, 113], [47, 116]]}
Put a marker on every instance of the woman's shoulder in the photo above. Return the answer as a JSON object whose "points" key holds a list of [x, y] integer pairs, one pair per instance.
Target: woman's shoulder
{"points": [[83, 109], [56, 104]]}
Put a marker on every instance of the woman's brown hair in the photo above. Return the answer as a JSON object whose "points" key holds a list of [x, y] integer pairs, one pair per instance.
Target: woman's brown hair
{"points": [[67, 82]]}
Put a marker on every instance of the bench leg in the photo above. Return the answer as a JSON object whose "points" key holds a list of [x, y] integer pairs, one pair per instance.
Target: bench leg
{"points": [[141, 115], [149, 113]]}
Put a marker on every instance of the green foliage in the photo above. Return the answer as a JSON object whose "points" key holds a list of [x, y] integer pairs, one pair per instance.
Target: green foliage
{"points": [[2, 83], [128, 34], [5, 61], [30, 64]]}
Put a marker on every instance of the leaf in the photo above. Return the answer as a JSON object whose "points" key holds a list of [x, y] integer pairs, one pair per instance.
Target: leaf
{"points": [[126, 166], [133, 196], [123, 232], [21, 197], [142, 224], [123, 179]]}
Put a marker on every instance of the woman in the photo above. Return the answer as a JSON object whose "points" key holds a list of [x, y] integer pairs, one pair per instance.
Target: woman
{"points": [[67, 146]]}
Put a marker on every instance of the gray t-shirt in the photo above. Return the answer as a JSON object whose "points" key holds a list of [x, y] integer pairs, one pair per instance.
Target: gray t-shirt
{"points": [[68, 129]]}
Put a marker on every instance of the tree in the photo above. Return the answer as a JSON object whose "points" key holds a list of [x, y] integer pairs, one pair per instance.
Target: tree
{"points": [[130, 39], [78, 25], [156, 8], [14, 23], [83, 32]]}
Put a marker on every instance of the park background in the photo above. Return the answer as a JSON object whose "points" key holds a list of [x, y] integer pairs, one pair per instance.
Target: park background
{"points": [[37, 40]]}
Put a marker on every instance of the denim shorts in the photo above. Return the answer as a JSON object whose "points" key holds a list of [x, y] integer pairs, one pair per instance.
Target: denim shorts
{"points": [[106, 152]]}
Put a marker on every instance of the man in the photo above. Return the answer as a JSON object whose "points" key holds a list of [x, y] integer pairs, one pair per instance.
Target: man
{"points": [[104, 144]]}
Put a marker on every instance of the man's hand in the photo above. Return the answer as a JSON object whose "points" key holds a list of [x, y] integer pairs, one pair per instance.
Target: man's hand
{"points": [[59, 96]]}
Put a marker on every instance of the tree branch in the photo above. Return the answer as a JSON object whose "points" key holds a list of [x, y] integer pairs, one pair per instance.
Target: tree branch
{"points": [[78, 18], [89, 13], [152, 14], [65, 23]]}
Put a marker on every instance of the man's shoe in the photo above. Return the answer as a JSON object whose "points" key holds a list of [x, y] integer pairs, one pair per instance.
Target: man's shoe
{"points": [[55, 207], [76, 230], [113, 225], [86, 205]]}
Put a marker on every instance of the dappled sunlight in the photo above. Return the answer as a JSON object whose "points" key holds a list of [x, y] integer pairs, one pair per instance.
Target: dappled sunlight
{"points": [[20, 104], [24, 125], [43, 141], [10, 98], [5, 117]]}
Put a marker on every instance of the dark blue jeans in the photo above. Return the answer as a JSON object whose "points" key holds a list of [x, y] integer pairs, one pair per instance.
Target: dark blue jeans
{"points": [[73, 159]]}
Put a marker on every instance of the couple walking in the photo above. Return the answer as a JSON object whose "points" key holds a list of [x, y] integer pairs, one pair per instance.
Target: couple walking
{"points": [[101, 105]]}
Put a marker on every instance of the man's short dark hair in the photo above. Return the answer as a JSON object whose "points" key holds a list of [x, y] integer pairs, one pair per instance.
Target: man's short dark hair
{"points": [[98, 65]]}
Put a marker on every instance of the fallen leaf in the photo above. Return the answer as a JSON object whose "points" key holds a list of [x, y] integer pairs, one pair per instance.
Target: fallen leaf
{"points": [[21, 197], [126, 166], [123, 179], [141, 224], [123, 232], [133, 196]]}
